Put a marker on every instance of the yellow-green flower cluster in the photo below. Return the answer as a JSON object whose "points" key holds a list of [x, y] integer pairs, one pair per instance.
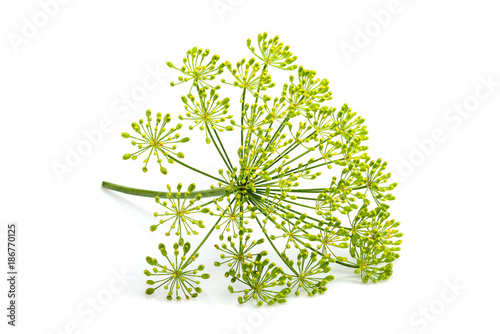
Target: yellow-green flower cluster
{"points": [[301, 179], [157, 141], [174, 277]]}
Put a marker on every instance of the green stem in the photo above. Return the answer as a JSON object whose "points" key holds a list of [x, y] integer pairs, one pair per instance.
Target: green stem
{"points": [[272, 244], [162, 194], [197, 170], [301, 155], [342, 263], [224, 150], [242, 109], [227, 163], [290, 149], [206, 237], [345, 264], [312, 191], [249, 133]]}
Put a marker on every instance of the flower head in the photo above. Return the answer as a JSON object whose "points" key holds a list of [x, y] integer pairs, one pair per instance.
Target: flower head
{"points": [[158, 141], [209, 113], [306, 95], [179, 210], [300, 177], [237, 253], [262, 280], [373, 241], [176, 279], [272, 52], [195, 68], [309, 274], [248, 76]]}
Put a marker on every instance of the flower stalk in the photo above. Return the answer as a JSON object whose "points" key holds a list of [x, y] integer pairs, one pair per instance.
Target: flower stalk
{"points": [[216, 192]]}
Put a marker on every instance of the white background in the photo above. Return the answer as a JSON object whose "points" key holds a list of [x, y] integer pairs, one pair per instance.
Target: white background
{"points": [[71, 74]]}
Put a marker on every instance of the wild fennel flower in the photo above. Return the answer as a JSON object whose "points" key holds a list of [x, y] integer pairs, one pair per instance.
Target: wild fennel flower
{"points": [[174, 277], [195, 68], [305, 277], [237, 254], [157, 141], [179, 211], [273, 185]]}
